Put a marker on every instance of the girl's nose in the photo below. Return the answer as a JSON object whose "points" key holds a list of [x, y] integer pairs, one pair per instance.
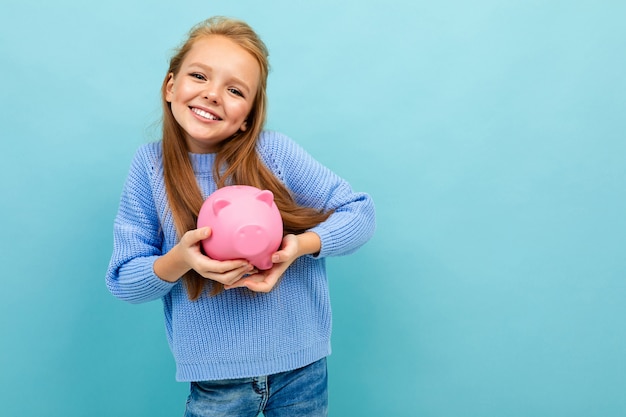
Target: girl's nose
{"points": [[212, 95]]}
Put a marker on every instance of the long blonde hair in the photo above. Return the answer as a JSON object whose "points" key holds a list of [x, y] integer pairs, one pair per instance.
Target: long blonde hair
{"points": [[237, 161]]}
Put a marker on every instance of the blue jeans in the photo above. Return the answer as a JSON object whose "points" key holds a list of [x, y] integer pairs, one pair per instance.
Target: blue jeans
{"points": [[302, 392]]}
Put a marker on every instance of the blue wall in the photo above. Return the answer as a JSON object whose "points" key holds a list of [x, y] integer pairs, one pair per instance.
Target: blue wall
{"points": [[492, 136]]}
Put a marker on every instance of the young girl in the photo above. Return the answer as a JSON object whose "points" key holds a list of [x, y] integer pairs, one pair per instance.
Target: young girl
{"points": [[249, 341]]}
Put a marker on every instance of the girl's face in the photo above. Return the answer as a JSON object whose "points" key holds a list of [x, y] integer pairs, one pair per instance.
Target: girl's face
{"points": [[213, 93]]}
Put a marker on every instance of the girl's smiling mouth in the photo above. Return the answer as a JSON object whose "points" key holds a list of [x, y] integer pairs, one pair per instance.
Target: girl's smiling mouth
{"points": [[204, 114]]}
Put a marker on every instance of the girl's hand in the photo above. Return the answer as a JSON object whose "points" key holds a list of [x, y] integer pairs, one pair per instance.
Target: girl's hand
{"points": [[187, 255], [292, 248], [264, 281]]}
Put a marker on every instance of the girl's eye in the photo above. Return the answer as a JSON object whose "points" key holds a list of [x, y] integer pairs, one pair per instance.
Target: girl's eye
{"points": [[236, 92], [198, 76]]}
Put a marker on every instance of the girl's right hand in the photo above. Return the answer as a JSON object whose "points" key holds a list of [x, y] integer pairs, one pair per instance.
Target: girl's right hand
{"points": [[225, 272], [187, 255]]}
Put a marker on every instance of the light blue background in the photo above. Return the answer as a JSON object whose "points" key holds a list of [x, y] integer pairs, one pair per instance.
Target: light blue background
{"points": [[491, 134]]}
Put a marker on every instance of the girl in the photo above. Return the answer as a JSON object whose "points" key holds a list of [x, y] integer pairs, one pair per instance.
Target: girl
{"points": [[249, 341]]}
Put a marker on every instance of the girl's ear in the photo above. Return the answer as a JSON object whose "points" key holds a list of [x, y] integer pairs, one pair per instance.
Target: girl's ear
{"points": [[169, 88], [244, 126]]}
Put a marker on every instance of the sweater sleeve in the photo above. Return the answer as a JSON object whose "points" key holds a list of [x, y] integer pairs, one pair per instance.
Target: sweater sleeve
{"points": [[137, 238], [312, 184]]}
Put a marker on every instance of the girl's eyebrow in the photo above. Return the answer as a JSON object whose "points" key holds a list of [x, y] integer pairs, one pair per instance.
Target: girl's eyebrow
{"points": [[200, 65], [231, 78]]}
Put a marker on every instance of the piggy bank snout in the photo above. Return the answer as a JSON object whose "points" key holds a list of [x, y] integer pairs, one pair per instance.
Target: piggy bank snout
{"points": [[251, 240]]}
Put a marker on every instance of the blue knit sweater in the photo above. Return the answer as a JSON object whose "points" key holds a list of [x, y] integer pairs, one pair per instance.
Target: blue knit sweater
{"points": [[237, 333]]}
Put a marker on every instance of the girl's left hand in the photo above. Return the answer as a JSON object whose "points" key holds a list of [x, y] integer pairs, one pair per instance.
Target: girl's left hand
{"points": [[265, 281]]}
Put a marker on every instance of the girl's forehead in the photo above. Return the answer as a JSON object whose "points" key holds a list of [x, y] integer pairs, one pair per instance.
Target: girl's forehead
{"points": [[219, 47]]}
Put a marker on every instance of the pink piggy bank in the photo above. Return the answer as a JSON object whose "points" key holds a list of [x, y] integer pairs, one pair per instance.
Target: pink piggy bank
{"points": [[245, 224]]}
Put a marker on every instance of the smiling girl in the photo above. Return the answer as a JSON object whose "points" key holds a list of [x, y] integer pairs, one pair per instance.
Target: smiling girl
{"points": [[248, 341]]}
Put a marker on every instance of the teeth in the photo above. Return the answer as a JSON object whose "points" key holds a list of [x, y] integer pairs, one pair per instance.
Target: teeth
{"points": [[204, 114]]}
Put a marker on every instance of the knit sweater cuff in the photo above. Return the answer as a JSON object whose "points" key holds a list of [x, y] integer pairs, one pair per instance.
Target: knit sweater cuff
{"points": [[331, 244], [138, 283]]}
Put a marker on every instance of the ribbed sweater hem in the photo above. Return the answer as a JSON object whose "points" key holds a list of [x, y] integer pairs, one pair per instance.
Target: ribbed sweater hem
{"points": [[188, 372]]}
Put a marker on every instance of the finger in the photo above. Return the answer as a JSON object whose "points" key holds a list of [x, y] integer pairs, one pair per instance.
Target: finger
{"points": [[194, 236], [202, 233], [245, 280], [212, 266], [262, 286], [240, 282], [281, 256], [237, 284], [231, 276], [261, 283]]}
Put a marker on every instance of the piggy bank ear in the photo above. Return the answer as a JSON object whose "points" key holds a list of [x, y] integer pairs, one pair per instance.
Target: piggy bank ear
{"points": [[219, 204], [266, 196]]}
